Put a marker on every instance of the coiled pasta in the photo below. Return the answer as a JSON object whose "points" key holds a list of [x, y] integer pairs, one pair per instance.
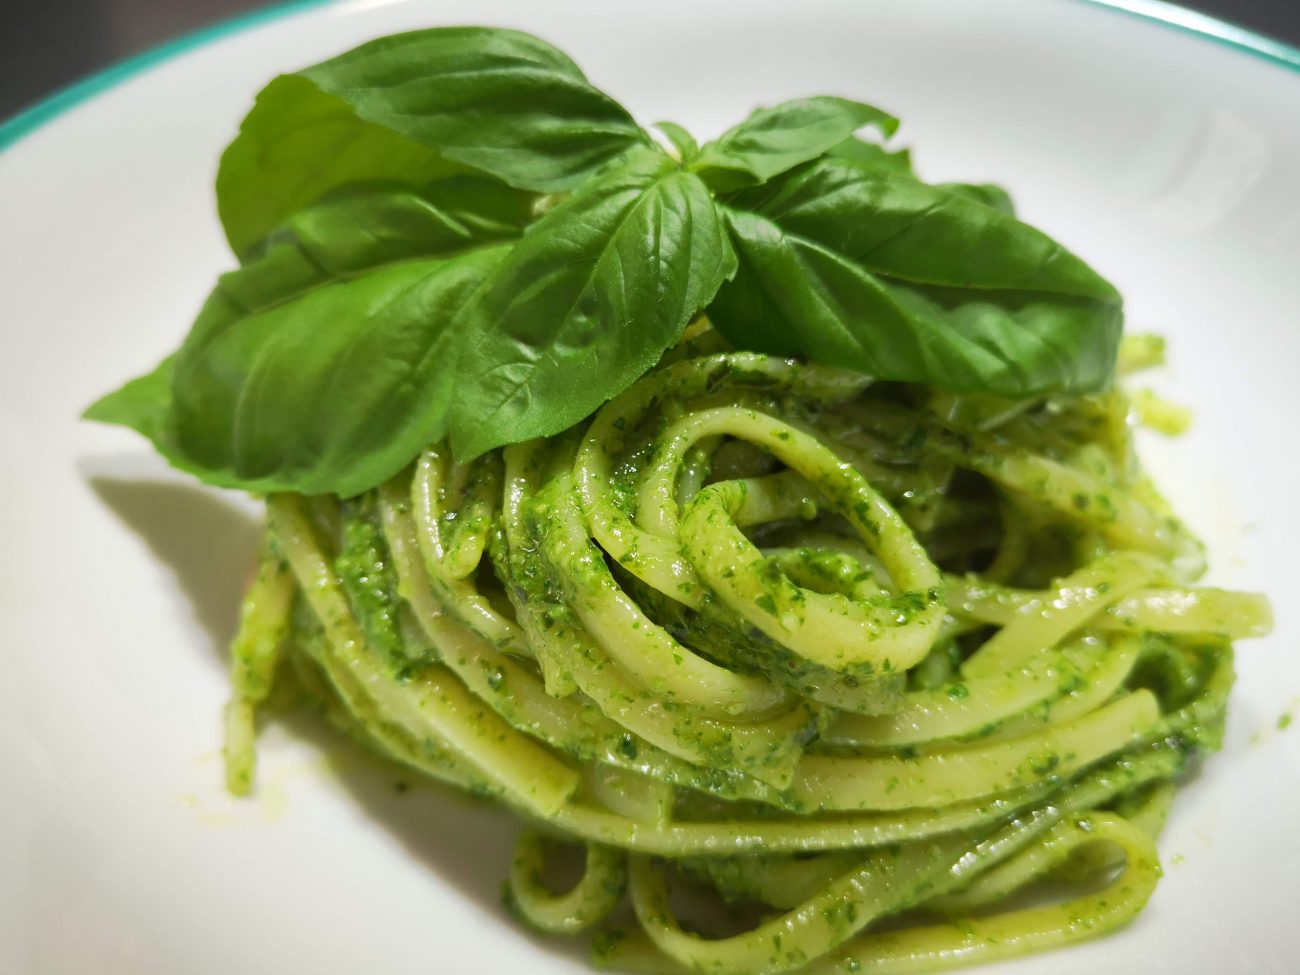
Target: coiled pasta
{"points": [[827, 650]]}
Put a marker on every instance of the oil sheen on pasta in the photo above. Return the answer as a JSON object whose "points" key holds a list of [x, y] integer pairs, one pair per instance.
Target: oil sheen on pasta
{"points": [[823, 651]]}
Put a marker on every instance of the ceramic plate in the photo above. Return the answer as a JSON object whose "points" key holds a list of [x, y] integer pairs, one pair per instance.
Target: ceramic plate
{"points": [[1169, 160]]}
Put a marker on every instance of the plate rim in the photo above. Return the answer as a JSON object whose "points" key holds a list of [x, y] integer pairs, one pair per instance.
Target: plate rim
{"points": [[44, 110], [315, 13]]}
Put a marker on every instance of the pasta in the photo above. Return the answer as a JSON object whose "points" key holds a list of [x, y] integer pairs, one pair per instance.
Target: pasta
{"points": [[821, 650]]}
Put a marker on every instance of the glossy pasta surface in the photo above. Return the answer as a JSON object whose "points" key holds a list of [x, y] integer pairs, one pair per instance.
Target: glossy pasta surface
{"points": [[816, 651]]}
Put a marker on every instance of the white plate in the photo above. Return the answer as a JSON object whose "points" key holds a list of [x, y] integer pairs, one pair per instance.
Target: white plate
{"points": [[1169, 161]]}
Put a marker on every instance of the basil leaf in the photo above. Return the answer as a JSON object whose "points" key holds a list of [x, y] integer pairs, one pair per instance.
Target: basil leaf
{"points": [[881, 273], [412, 107], [872, 155], [338, 239], [332, 392], [140, 404], [903, 228], [587, 302], [355, 231], [986, 193], [295, 147], [144, 405], [485, 208], [685, 144], [773, 140]]}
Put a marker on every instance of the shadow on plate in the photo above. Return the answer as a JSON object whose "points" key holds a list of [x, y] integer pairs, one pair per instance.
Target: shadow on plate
{"points": [[207, 541], [465, 841]]}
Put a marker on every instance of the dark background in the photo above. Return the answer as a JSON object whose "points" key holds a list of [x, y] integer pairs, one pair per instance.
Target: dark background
{"points": [[45, 44]]}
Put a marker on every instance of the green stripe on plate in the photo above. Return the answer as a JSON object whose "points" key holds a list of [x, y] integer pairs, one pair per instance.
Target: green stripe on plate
{"points": [[1210, 28], [33, 117], [52, 106]]}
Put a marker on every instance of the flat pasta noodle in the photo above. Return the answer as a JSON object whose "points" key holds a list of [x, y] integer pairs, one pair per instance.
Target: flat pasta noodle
{"points": [[819, 650]]}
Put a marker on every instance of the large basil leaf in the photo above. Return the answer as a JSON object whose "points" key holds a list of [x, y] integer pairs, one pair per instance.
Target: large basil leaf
{"points": [[773, 140], [879, 272], [412, 107], [334, 391], [357, 230], [144, 405], [141, 404], [299, 144], [587, 302], [340, 239]]}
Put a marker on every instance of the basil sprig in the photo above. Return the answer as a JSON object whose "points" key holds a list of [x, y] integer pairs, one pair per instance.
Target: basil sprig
{"points": [[879, 272], [774, 140], [413, 107], [401, 280], [587, 302]]}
